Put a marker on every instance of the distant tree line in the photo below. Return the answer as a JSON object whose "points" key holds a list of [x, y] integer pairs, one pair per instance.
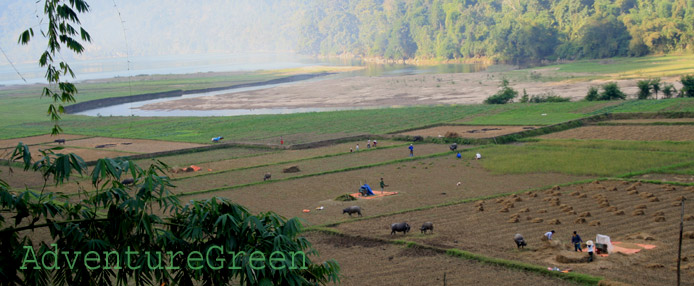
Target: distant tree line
{"points": [[514, 31]]}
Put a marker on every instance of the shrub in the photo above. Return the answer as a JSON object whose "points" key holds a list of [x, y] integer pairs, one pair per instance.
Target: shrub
{"points": [[644, 89], [611, 91], [655, 86], [505, 95], [525, 97], [548, 97], [687, 86], [669, 90], [592, 94]]}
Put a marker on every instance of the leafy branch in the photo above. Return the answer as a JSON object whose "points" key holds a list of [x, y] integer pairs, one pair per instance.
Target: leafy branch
{"points": [[63, 30]]}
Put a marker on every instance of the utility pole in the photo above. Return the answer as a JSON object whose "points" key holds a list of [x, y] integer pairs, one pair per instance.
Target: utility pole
{"points": [[679, 249]]}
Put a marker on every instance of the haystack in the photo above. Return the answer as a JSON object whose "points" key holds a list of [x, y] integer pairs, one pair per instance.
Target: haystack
{"points": [[292, 169]]}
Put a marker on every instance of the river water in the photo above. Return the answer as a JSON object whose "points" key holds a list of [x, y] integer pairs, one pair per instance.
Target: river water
{"points": [[190, 64]]}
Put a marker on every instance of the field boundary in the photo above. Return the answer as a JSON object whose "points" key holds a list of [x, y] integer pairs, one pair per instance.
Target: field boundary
{"points": [[283, 162], [407, 159], [458, 202], [584, 279]]}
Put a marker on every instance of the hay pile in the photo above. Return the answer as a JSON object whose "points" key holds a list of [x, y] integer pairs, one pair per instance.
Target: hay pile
{"points": [[292, 169]]}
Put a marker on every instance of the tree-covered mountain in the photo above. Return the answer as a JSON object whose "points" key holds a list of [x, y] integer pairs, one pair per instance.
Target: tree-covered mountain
{"points": [[506, 30]]}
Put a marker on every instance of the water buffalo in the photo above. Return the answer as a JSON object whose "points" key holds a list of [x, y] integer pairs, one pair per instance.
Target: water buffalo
{"points": [[417, 138], [520, 241], [453, 146], [399, 227], [267, 177], [59, 141], [427, 226], [351, 210], [127, 181]]}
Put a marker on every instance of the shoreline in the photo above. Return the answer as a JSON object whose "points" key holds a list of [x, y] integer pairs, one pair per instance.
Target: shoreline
{"points": [[112, 101]]}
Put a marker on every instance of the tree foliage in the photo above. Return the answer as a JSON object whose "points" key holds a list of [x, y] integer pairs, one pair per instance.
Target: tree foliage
{"points": [[63, 30], [510, 31], [137, 233], [144, 217], [687, 86], [505, 94], [610, 91]]}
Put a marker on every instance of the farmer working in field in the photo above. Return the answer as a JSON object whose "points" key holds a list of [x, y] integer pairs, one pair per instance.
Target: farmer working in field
{"points": [[411, 150], [383, 185], [549, 234], [576, 240]]}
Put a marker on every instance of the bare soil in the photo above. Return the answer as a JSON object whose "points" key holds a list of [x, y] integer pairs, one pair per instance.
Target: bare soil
{"points": [[647, 121], [284, 156], [468, 131], [365, 91], [490, 232], [131, 145], [640, 132], [86, 154], [418, 183], [41, 139], [366, 262], [682, 178]]}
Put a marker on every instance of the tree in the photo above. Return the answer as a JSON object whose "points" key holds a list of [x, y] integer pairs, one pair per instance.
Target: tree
{"points": [[655, 86], [611, 91], [604, 37], [505, 95], [669, 90], [687, 89], [592, 94], [139, 233], [644, 89]]}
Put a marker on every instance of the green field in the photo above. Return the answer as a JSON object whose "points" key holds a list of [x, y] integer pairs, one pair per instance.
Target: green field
{"points": [[595, 158], [631, 67], [433, 180]]}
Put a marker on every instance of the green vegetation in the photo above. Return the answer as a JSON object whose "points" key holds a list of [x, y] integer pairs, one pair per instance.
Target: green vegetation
{"points": [[688, 86], [610, 91], [577, 158], [583, 279], [505, 95], [516, 32]]}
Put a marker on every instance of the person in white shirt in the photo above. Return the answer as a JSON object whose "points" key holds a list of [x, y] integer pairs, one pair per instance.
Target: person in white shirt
{"points": [[591, 248], [549, 234], [478, 156]]}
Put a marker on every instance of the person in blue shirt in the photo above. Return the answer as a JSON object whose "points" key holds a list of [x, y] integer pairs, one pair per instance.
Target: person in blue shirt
{"points": [[411, 150], [458, 156], [576, 240]]}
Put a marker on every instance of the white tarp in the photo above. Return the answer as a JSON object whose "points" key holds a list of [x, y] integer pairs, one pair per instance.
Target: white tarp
{"points": [[604, 239]]}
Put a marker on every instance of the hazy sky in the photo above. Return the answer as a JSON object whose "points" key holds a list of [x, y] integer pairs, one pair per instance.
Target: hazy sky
{"points": [[168, 27]]}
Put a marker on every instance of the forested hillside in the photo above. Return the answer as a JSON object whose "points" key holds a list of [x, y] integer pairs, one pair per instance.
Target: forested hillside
{"points": [[514, 31]]}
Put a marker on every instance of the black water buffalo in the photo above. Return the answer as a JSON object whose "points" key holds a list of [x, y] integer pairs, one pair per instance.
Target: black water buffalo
{"points": [[399, 227], [351, 210]]}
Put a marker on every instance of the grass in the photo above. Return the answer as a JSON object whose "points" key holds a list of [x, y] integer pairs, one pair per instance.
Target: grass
{"points": [[584, 279], [532, 114], [306, 126], [654, 146], [574, 160], [632, 67], [663, 105]]}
